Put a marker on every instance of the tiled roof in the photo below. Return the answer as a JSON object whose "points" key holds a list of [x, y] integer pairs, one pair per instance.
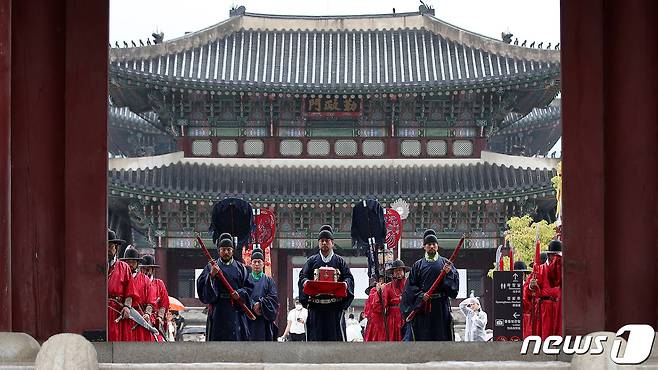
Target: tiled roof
{"points": [[534, 134], [327, 52], [193, 181], [539, 117], [124, 118]]}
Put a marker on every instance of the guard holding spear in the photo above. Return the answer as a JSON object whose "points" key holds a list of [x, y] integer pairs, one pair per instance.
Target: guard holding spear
{"points": [[224, 286], [433, 280]]}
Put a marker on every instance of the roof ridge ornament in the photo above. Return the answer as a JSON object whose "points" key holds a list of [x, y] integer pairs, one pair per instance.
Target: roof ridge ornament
{"points": [[235, 12], [423, 9]]}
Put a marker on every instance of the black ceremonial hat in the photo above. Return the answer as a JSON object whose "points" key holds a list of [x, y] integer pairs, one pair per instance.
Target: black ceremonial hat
{"points": [[225, 240], [430, 239], [326, 227], [257, 254], [113, 238], [429, 232], [325, 234], [131, 254], [397, 264], [555, 246], [148, 261], [520, 266]]}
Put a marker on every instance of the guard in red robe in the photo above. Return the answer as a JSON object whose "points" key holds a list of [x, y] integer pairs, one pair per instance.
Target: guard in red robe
{"points": [[531, 300], [546, 300], [120, 290], [145, 297], [161, 307], [526, 327], [374, 312], [554, 278], [392, 293]]}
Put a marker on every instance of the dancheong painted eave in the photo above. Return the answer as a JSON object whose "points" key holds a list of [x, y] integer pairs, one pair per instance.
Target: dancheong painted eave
{"points": [[380, 50], [494, 176]]}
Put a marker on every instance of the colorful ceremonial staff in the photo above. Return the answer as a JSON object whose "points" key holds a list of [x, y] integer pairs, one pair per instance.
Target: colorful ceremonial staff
{"points": [[225, 282], [438, 280]]}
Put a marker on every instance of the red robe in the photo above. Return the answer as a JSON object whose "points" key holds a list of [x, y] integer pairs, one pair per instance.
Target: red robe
{"points": [[554, 277], [545, 305], [161, 300], [120, 285], [527, 309], [392, 293], [147, 296], [375, 314]]}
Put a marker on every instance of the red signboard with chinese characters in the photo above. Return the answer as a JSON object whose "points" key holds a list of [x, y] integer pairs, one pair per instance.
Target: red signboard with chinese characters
{"points": [[323, 107]]}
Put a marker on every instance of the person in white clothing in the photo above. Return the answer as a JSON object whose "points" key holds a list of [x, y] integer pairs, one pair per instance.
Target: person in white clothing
{"points": [[476, 320], [353, 330], [171, 327], [296, 323]]}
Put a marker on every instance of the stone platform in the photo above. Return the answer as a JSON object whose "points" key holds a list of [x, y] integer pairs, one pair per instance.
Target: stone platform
{"points": [[293, 355], [314, 352]]}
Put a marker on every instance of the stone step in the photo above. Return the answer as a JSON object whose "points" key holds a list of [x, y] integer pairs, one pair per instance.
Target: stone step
{"points": [[502, 365], [314, 352]]}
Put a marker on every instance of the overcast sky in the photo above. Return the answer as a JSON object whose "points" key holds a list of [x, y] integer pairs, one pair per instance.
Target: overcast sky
{"points": [[527, 19]]}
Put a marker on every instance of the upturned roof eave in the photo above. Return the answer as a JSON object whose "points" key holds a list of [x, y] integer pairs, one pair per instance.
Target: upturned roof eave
{"points": [[365, 23], [191, 83]]}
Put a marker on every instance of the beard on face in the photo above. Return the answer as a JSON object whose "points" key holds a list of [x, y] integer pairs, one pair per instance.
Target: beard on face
{"points": [[225, 258]]}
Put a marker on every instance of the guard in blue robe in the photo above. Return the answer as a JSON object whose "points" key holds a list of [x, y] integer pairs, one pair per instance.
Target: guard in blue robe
{"points": [[265, 301], [434, 320], [326, 316], [226, 321]]}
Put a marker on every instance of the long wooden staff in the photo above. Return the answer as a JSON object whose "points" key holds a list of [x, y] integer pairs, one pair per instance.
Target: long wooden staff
{"points": [[225, 282], [438, 280]]}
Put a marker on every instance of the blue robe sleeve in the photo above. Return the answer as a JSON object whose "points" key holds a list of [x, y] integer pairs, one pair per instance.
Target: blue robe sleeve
{"points": [[247, 286], [412, 296], [346, 276], [450, 283], [207, 290], [305, 274], [269, 302]]}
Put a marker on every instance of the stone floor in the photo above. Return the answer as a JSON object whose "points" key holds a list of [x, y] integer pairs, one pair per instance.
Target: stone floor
{"points": [[21, 352], [506, 365]]}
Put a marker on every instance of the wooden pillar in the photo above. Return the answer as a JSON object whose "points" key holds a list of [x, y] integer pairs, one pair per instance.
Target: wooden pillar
{"points": [[5, 165], [59, 166], [161, 259], [85, 175], [609, 120], [37, 157], [631, 161]]}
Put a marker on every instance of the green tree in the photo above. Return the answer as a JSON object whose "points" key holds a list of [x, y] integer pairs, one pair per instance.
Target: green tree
{"points": [[521, 235]]}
